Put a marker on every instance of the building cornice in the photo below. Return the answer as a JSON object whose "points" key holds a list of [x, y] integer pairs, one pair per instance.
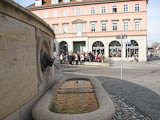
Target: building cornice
{"points": [[78, 21], [78, 4]]}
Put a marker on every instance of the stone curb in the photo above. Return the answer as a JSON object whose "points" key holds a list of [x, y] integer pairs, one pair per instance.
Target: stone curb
{"points": [[96, 64]]}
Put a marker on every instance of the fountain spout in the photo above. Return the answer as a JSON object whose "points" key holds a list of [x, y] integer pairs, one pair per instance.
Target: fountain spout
{"points": [[46, 60]]}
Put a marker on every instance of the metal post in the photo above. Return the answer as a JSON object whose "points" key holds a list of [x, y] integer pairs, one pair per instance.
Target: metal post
{"points": [[127, 53], [121, 37], [121, 57]]}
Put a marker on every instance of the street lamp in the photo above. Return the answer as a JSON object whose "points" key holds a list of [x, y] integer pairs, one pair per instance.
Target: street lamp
{"points": [[121, 37]]}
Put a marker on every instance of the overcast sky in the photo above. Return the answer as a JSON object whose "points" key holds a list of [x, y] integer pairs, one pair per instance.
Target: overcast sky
{"points": [[153, 20]]}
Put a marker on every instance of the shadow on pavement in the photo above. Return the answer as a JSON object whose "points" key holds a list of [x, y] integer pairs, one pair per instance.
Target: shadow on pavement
{"points": [[153, 58], [145, 100]]}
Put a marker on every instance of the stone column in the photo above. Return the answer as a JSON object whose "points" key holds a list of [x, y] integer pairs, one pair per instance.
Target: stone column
{"points": [[70, 46], [106, 50]]}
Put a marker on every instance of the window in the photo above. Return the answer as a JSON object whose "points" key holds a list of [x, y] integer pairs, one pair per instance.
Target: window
{"points": [[65, 28], [66, 1], [74, 11], [54, 1], [64, 13], [114, 25], [114, 9], [93, 26], [79, 28], [55, 28], [125, 24], [115, 49], [137, 24], [83, 11], [125, 8], [54, 13], [132, 49], [98, 47], [45, 15], [103, 9], [74, 28], [78, 12], [38, 3], [137, 7], [93, 10], [103, 25]]}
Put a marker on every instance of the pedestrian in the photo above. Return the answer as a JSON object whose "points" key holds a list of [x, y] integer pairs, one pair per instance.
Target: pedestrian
{"points": [[76, 58], [97, 58], [73, 58], [61, 58], [82, 57], [102, 58]]}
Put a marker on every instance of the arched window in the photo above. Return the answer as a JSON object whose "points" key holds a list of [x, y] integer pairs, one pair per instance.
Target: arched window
{"points": [[115, 49], [63, 47], [98, 47], [132, 49]]}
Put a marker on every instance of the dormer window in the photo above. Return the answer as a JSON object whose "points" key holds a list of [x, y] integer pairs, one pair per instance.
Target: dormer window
{"points": [[66, 1], [38, 3], [54, 1]]}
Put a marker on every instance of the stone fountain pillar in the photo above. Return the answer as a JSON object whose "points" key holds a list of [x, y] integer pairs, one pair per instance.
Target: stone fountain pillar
{"points": [[22, 80]]}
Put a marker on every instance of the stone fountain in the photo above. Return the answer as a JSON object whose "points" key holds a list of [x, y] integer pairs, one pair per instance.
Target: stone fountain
{"points": [[27, 79]]}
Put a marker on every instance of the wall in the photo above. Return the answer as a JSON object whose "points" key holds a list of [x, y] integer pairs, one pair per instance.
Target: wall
{"points": [[131, 15]]}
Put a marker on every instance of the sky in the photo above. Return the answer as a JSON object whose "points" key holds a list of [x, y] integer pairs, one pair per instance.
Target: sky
{"points": [[153, 19]]}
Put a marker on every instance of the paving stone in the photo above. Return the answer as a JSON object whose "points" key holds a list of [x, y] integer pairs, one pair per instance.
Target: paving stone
{"points": [[125, 111]]}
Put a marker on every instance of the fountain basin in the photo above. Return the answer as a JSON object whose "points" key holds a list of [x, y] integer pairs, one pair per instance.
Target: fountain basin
{"points": [[75, 97], [102, 109]]}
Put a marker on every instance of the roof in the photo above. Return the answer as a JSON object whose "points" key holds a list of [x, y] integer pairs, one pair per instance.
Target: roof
{"points": [[47, 3]]}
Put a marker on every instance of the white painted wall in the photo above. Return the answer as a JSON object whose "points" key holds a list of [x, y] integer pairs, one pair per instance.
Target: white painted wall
{"points": [[141, 40]]}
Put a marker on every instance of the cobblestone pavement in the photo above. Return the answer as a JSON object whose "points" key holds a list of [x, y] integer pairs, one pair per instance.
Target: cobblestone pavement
{"points": [[125, 111], [139, 87]]}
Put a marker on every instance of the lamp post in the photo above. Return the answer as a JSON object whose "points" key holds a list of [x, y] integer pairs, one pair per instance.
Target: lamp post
{"points": [[121, 37]]}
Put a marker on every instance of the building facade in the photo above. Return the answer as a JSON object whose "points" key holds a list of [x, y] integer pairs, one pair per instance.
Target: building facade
{"points": [[92, 26]]}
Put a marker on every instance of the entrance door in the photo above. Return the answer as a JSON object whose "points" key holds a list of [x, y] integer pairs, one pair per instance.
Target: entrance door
{"points": [[79, 46]]}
